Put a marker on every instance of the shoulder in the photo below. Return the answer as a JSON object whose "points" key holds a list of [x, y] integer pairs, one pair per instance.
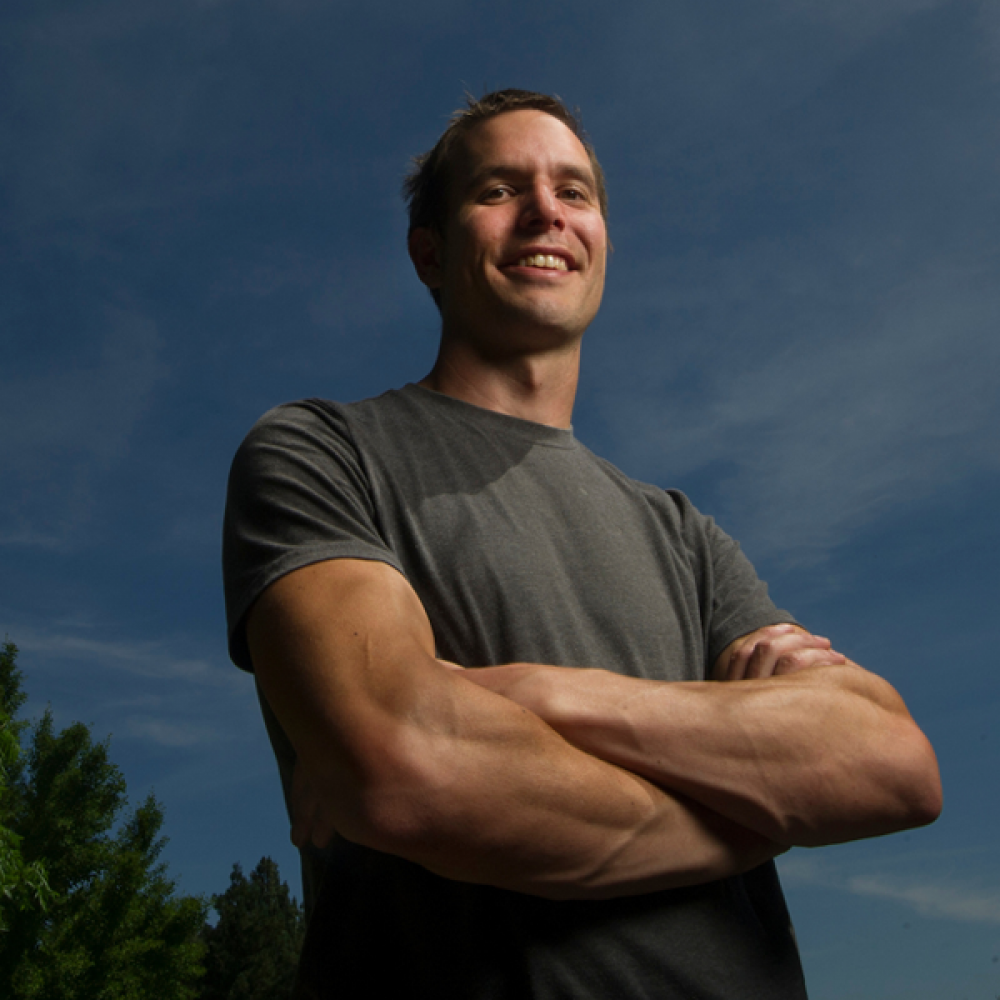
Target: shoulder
{"points": [[395, 411], [299, 492], [321, 428], [300, 418]]}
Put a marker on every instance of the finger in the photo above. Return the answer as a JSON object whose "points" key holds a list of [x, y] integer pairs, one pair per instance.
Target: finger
{"points": [[770, 651], [736, 667], [790, 661], [750, 660], [805, 659]]}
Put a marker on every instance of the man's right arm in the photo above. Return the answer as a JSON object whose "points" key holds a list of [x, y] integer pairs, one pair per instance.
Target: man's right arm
{"points": [[404, 756]]}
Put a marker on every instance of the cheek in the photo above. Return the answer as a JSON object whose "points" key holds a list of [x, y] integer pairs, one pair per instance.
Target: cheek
{"points": [[597, 238]]}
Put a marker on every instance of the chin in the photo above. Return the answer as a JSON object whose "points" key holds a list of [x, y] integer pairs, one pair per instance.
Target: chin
{"points": [[550, 315]]}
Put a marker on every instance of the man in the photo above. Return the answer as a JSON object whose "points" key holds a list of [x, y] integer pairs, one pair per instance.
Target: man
{"points": [[531, 829]]}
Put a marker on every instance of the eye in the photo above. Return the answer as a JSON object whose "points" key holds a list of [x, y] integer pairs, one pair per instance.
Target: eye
{"points": [[574, 194], [497, 193]]}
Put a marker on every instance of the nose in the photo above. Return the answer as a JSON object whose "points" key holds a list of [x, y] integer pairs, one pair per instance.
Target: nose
{"points": [[543, 210]]}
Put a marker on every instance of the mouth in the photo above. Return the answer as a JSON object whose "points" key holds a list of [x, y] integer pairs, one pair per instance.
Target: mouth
{"points": [[544, 261]]}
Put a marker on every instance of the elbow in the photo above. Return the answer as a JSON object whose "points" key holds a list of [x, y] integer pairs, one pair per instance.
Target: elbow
{"points": [[924, 797], [909, 774], [926, 811], [910, 767], [378, 795], [403, 822], [910, 780], [887, 793], [399, 805]]}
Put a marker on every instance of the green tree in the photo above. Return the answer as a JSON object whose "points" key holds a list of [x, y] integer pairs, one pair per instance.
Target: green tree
{"points": [[253, 949], [22, 885], [113, 928]]}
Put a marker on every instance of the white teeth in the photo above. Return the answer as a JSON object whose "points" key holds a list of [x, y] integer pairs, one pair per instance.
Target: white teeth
{"points": [[544, 260]]}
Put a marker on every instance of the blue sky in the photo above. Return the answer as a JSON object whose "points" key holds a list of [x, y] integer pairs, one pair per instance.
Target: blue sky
{"points": [[201, 219]]}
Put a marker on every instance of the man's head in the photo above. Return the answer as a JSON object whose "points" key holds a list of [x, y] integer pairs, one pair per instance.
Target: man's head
{"points": [[429, 185], [507, 225]]}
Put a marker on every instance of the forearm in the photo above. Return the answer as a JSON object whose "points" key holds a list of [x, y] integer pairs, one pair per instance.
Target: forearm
{"points": [[480, 790], [819, 756], [403, 755]]}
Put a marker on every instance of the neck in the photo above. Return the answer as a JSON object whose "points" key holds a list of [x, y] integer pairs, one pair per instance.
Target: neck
{"points": [[538, 387]]}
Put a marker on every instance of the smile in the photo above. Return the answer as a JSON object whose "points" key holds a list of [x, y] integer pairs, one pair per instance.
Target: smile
{"points": [[544, 260]]}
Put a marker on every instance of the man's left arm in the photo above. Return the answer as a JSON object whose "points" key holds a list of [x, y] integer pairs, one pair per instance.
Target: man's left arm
{"points": [[800, 745]]}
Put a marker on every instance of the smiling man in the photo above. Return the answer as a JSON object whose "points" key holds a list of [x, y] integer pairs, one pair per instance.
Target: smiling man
{"points": [[516, 290], [541, 730]]}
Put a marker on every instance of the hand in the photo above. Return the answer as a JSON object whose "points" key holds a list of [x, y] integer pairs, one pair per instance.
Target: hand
{"points": [[775, 650]]}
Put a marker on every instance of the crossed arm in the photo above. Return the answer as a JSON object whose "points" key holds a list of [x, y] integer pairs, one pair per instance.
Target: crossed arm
{"points": [[520, 777], [802, 746]]}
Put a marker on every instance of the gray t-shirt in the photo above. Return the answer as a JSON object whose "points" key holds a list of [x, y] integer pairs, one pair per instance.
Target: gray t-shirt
{"points": [[523, 546]]}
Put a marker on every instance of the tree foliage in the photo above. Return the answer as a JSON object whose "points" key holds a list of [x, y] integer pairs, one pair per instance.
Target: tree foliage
{"points": [[23, 885], [253, 949], [112, 928]]}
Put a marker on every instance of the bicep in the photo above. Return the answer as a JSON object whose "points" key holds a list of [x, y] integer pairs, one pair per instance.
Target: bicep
{"points": [[337, 647], [409, 757]]}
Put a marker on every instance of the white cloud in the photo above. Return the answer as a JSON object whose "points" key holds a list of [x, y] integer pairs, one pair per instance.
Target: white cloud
{"points": [[150, 692], [29, 538], [801, 868], [831, 392], [937, 898], [144, 659], [169, 734]]}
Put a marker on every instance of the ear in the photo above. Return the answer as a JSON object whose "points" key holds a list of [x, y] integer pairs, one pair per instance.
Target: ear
{"points": [[426, 247]]}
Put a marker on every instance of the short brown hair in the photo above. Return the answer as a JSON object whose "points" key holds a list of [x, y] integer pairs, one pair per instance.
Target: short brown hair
{"points": [[427, 185]]}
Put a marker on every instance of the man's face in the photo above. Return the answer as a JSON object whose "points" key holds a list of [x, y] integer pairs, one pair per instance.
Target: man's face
{"points": [[521, 263]]}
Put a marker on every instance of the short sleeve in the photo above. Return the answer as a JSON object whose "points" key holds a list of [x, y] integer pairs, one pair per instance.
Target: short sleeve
{"points": [[734, 600], [299, 493]]}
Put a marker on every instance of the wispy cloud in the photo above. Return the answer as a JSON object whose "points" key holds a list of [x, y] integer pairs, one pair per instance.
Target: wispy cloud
{"points": [[28, 537], [145, 691], [170, 733], [144, 659], [938, 897], [802, 310], [935, 899], [824, 414]]}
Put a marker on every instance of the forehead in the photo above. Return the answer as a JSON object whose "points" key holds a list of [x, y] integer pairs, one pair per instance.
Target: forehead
{"points": [[525, 141]]}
